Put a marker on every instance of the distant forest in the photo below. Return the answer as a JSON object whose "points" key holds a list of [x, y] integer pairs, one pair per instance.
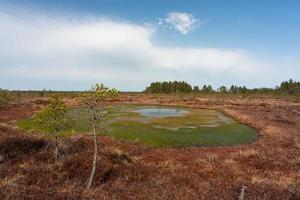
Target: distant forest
{"points": [[168, 87], [290, 87]]}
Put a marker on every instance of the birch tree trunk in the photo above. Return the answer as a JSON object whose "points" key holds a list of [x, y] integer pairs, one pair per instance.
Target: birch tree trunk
{"points": [[90, 182], [242, 195], [56, 147]]}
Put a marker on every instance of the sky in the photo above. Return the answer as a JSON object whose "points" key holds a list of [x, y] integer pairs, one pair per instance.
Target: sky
{"points": [[73, 44]]}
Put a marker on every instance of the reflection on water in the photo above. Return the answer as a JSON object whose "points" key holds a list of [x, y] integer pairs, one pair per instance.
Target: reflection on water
{"points": [[161, 112], [175, 128]]}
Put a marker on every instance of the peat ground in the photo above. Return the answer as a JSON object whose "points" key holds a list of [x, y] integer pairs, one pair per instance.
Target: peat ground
{"points": [[269, 167]]}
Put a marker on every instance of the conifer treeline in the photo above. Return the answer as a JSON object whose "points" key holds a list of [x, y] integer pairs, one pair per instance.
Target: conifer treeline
{"points": [[287, 87], [169, 87]]}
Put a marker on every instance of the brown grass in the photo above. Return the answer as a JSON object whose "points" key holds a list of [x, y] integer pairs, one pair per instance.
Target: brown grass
{"points": [[269, 168]]}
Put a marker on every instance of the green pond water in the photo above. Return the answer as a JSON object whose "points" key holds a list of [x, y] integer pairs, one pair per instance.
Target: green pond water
{"points": [[164, 126]]}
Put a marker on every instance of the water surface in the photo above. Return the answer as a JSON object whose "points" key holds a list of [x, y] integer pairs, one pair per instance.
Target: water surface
{"points": [[161, 112], [165, 126]]}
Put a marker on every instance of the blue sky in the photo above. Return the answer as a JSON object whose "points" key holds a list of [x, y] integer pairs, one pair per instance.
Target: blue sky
{"points": [[252, 43]]}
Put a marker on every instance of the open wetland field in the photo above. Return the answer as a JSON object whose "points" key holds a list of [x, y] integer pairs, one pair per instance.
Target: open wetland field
{"points": [[157, 147], [162, 126], [149, 100]]}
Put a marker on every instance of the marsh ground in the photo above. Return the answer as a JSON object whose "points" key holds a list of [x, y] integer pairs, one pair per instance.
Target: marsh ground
{"points": [[269, 168], [160, 126]]}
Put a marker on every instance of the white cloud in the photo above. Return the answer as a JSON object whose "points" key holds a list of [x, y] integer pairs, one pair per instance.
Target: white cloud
{"points": [[35, 51], [180, 21]]}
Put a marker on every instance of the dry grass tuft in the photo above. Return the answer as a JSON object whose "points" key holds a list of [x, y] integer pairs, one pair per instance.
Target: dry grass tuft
{"points": [[117, 156]]}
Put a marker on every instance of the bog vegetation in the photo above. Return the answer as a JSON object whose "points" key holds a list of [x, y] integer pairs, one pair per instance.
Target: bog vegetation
{"points": [[290, 88], [27, 169], [159, 126], [55, 119], [4, 97]]}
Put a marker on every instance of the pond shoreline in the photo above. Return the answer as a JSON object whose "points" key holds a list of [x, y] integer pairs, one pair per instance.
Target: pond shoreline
{"points": [[163, 126]]}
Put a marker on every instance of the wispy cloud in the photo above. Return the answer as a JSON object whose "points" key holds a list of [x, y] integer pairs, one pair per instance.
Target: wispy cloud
{"points": [[119, 54], [183, 22]]}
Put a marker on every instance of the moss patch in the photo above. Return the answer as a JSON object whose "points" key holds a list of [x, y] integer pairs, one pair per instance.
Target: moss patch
{"points": [[198, 127]]}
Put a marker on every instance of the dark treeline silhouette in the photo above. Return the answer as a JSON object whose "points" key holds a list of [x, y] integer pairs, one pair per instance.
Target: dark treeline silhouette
{"points": [[169, 87], [289, 87], [286, 87]]}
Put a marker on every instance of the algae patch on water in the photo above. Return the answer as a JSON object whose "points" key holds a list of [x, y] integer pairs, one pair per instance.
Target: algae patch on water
{"points": [[165, 126]]}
